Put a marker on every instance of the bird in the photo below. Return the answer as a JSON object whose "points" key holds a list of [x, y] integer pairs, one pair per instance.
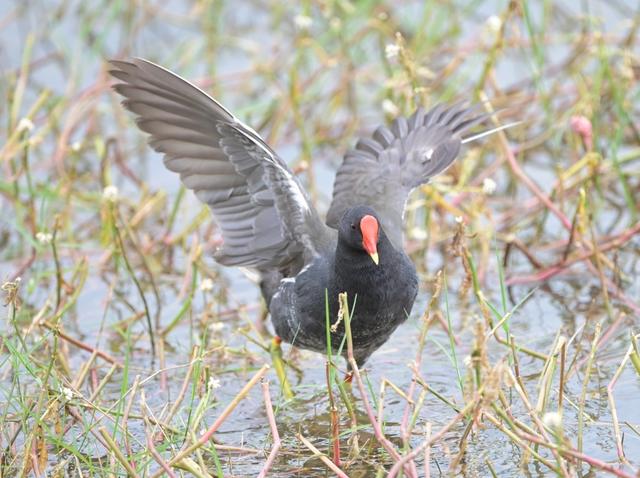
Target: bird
{"points": [[268, 222]]}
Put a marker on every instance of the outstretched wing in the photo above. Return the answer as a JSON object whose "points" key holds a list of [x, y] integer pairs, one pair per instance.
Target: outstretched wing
{"points": [[382, 170], [265, 217]]}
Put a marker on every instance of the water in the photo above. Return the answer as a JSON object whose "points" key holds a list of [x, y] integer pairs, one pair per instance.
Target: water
{"points": [[70, 46]]}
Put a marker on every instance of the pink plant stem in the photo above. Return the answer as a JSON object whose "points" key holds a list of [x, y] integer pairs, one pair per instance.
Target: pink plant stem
{"points": [[377, 430], [539, 276], [158, 457], [274, 430], [533, 187], [554, 270], [149, 435], [579, 456], [545, 274], [544, 199], [82, 345], [206, 436], [404, 428], [526, 206], [427, 443], [445, 327], [610, 241], [427, 454], [404, 424]]}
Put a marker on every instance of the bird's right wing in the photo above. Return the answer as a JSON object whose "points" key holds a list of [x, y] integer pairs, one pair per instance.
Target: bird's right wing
{"points": [[266, 219]]}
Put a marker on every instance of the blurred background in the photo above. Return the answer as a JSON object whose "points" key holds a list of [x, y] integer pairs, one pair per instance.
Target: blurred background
{"points": [[535, 231]]}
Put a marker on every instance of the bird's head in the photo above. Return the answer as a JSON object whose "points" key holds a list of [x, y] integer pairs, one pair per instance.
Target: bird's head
{"points": [[360, 230]]}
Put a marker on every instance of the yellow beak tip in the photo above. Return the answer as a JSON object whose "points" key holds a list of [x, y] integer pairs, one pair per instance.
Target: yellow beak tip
{"points": [[375, 258]]}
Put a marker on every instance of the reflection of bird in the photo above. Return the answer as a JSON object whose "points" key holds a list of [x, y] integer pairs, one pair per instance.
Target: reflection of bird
{"points": [[268, 222]]}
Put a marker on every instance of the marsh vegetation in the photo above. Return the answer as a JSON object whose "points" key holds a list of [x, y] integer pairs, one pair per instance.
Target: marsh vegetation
{"points": [[125, 350]]}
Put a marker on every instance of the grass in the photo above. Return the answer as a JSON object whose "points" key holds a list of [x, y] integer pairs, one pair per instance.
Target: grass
{"points": [[127, 351]]}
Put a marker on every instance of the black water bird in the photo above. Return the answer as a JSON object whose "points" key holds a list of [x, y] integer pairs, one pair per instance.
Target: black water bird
{"points": [[268, 223]]}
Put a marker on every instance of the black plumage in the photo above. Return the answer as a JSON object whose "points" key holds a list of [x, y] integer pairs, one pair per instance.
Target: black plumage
{"points": [[267, 221], [382, 294]]}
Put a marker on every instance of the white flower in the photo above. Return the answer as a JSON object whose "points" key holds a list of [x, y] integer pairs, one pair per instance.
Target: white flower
{"points": [[206, 285], [418, 233], [391, 50], [25, 124], [44, 238], [389, 107], [213, 383], [68, 393], [216, 326], [552, 420], [110, 193], [494, 23], [488, 186], [76, 146], [302, 22], [459, 219]]}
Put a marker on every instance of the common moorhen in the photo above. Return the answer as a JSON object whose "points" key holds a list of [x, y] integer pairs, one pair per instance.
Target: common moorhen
{"points": [[267, 221]]}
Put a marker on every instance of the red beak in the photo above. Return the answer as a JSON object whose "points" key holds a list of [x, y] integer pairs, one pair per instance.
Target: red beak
{"points": [[369, 228]]}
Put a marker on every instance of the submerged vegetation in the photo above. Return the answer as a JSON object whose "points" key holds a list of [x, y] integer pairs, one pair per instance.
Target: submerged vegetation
{"points": [[125, 350]]}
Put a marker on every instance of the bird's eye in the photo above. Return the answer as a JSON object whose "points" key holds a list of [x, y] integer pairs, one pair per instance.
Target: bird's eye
{"points": [[353, 226]]}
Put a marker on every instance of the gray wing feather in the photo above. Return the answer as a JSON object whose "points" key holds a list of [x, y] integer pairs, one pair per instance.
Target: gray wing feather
{"points": [[266, 219], [382, 170]]}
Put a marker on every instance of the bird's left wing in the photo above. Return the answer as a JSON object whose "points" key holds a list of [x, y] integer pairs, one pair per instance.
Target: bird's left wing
{"points": [[382, 170]]}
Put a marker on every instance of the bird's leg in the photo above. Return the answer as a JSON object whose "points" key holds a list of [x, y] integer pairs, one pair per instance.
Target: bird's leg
{"points": [[278, 365], [348, 377]]}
